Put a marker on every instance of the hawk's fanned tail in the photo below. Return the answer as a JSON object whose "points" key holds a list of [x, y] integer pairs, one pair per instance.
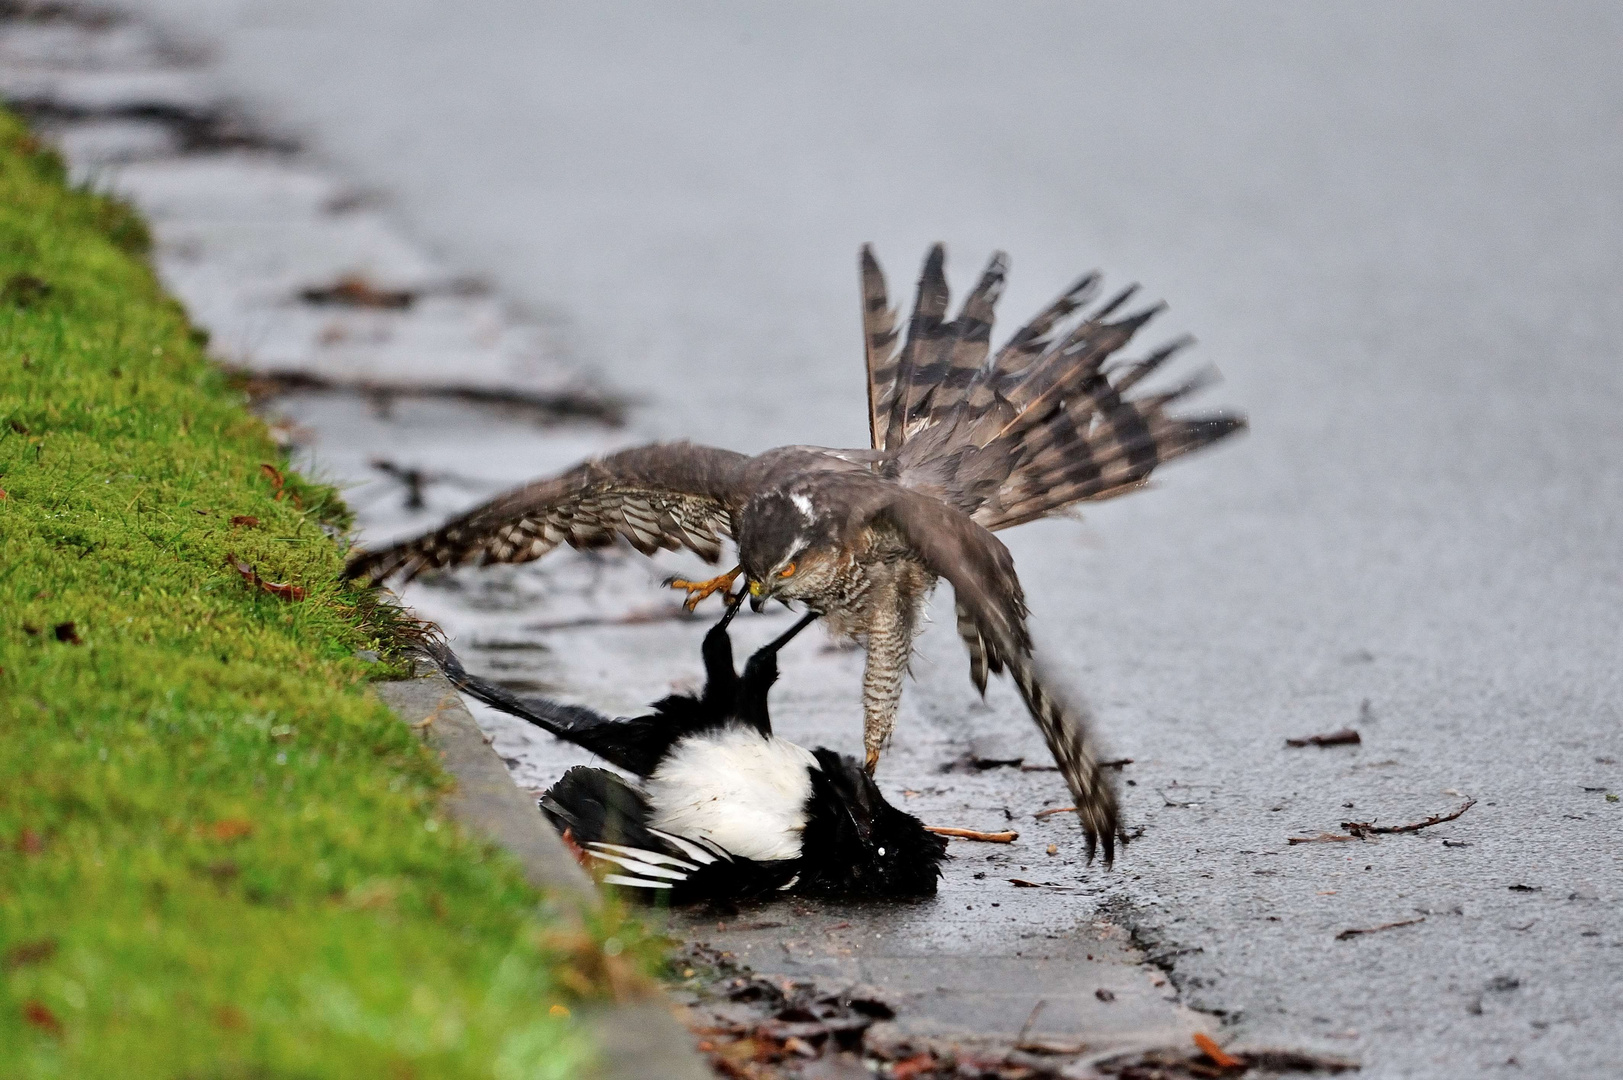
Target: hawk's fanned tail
{"points": [[925, 331], [1046, 423], [879, 347], [1064, 727]]}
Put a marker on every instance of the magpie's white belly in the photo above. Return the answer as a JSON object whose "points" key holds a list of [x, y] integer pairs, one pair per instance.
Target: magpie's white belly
{"points": [[736, 788]]}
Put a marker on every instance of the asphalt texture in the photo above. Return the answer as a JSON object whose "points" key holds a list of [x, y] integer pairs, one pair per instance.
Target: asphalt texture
{"points": [[1398, 231]]}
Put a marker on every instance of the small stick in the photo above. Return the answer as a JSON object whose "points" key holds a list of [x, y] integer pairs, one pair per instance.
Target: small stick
{"points": [[974, 834], [1344, 737], [1039, 815], [1209, 1047], [1365, 828], [1322, 838], [1345, 934]]}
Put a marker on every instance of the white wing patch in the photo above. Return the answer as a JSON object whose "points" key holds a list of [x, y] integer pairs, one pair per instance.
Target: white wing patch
{"points": [[803, 503], [736, 788]]}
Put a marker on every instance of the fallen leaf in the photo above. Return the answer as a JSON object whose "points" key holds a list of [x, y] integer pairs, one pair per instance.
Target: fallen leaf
{"points": [[251, 575], [245, 521], [1053, 849], [1209, 1047], [228, 829], [915, 1066], [353, 290], [230, 1017], [41, 1017], [30, 952], [68, 633]]}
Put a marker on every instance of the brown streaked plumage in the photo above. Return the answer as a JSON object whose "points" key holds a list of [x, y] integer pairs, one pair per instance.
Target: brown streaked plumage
{"points": [[964, 442]]}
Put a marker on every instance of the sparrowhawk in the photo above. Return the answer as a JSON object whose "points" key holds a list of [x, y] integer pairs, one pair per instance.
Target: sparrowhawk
{"points": [[964, 442]]}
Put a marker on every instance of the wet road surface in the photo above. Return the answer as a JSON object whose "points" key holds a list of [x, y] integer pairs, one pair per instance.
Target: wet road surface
{"points": [[1396, 228]]}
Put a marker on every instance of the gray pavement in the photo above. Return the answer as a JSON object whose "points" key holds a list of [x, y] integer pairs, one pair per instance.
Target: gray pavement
{"points": [[1398, 230]]}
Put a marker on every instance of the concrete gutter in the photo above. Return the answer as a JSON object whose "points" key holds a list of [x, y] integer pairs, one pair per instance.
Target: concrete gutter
{"points": [[640, 1040]]}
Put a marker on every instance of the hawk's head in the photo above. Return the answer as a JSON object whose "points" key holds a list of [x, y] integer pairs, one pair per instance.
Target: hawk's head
{"points": [[789, 546]]}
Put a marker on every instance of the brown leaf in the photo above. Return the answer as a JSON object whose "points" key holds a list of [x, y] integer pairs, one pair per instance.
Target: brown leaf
{"points": [[41, 1017], [245, 521], [228, 829], [230, 1017], [67, 633], [284, 590], [353, 290], [3, 494], [30, 952], [274, 475], [915, 1066], [30, 842], [251, 575]]}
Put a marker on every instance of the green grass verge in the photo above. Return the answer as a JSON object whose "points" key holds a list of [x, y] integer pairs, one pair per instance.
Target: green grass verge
{"points": [[219, 855]]}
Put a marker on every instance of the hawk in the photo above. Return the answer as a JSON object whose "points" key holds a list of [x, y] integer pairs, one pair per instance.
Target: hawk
{"points": [[964, 442]]}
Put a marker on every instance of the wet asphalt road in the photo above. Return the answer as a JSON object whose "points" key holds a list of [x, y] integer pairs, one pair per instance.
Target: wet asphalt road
{"points": [[1398, 230]]}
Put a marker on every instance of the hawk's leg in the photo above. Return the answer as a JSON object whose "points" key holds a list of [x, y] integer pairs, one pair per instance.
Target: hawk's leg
{"points": [[890, 644], [698, 590]]}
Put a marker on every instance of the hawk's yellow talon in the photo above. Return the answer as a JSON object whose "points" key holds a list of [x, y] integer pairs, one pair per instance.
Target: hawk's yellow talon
{"points": [[698, 590]]}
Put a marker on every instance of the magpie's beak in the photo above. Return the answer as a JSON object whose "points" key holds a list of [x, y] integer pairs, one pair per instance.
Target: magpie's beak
{"points": [[759, 595]]}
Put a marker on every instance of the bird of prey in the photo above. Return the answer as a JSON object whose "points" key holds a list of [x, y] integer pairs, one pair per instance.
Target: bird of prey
{"points": [[964, 442], [725, 810]]}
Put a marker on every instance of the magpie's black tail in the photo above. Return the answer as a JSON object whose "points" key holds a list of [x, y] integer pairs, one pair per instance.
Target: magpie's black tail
{"points": [[635, 744]]}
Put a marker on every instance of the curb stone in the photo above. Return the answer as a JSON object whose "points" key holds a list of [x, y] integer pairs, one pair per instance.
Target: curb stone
{"points": [[639, 1040]]}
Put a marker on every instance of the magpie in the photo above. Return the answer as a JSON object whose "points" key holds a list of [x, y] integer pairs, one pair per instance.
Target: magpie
{"points": [[723, 809]]}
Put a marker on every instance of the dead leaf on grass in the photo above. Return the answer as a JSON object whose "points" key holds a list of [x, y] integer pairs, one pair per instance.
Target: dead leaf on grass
{"points": [[37, 1014], [228, 829]]}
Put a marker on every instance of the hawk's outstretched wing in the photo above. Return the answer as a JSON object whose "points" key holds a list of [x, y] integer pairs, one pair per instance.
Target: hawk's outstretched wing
{"points": [[992, 621], [667, 495]]}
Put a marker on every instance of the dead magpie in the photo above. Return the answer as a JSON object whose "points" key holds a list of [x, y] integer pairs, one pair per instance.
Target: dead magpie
{"points": [[725, 810]]}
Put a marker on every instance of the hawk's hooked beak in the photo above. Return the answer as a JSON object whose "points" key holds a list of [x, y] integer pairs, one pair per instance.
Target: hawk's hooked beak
{"points": [[759, 594]]}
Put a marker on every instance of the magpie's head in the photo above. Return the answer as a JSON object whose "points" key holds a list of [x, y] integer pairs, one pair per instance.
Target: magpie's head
{"points": [[857, 844]]}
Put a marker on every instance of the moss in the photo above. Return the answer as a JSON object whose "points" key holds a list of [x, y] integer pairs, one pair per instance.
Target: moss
{"points": [[219, 855]]}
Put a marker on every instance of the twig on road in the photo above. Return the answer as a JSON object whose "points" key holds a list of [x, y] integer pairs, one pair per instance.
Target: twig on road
{"points": [[974, 834], [1366, 828], [1345, 934], [1322, 838], [1344, 737]]}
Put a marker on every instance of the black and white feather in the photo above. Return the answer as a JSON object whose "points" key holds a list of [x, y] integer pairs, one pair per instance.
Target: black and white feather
{"points": [[721, 808]]}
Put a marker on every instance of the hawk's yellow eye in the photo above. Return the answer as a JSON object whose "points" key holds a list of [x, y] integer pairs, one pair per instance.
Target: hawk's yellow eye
{"points": [[787, 571]]}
